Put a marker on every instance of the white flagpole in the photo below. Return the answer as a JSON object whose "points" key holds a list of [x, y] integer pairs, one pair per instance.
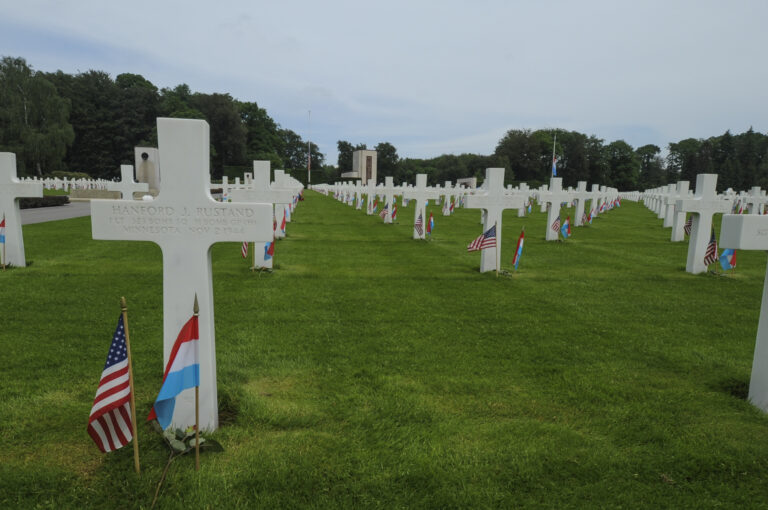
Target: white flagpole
{"points": [[309, 147], [554, 142]]}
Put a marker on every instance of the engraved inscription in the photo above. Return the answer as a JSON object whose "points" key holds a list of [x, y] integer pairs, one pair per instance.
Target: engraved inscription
{"points": [[166, 220]]}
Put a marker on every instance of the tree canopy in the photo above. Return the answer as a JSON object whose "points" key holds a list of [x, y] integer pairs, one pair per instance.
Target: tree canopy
{"points": [[90, 123]]}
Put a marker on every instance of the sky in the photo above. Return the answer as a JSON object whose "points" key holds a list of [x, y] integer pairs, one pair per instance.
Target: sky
{"points": [[430, 77]]}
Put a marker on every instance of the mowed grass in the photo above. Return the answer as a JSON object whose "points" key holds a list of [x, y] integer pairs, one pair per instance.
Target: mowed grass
{"points": [[372, 370]]}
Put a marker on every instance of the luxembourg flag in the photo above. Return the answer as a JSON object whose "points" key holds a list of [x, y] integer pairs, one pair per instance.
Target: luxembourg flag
{"points": [[565, 229], [430, 224], [728, 259], [519, 250], [282, 225], [2, 230], [181, 373], [269, 250]]}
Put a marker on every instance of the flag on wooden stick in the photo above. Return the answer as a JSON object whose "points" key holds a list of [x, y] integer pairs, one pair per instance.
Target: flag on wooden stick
{"points": [[486, 240], [710, 256], [109, 424]]}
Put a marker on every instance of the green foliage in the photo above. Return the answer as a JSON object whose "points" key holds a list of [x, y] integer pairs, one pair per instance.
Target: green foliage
{"points": [[228, 134], [344, 160], [386, 158], [651, 167], [69, 175], [47, 200], [89, 123], [741, 161], [34, 118]]}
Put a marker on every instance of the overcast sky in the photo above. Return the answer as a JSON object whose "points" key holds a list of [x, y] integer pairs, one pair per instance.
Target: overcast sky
{"points": [[430, 77]]}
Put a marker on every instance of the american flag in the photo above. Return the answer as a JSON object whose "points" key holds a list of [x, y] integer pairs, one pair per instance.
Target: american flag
{"points": [[244, 249], [688, 225], [419, 226], [383, 212], [486, 240], [110, 422], [711, 254], [556, 224], [583, 218]]}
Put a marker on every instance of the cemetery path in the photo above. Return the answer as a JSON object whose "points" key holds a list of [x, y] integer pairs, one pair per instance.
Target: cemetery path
{"points": [[61, 212]]}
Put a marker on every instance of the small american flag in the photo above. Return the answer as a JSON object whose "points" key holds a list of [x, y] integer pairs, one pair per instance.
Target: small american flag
{"points": [[583, 218], [244, 249], [486, 240], [688, 225], [110, 422], [383, 212], [556, 224], [419, 226], [711, 254]]}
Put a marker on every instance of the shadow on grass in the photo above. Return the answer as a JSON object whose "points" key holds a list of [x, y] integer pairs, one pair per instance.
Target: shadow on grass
{"points": [[735, 387]]}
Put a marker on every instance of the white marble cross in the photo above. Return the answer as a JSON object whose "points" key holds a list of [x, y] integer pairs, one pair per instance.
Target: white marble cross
{"points": [[185, 221], [370, 196], [704, 204], [11, 189], [594, 208], [127, 186], [678, 221], [661, 209], [750, 232], [670, 198], [285, 181], [542, 205], [526, 192], [388, 192], [754, 200], [420, 194], [553, 198], [261, 192], [580, 196], [448, 193], [493, 201], [359, 194]]}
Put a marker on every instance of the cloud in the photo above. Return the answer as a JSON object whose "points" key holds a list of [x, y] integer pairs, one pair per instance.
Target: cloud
{"points": [[430, 77]]}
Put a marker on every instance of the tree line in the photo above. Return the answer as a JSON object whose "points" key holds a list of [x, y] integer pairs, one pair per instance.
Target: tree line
{"points": [[741, 161], [90, 123]]}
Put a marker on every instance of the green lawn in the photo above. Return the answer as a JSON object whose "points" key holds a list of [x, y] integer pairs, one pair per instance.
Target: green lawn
{"points": [[371, 370]]}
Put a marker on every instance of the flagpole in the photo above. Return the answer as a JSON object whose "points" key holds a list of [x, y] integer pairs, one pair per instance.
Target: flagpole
{"points": [[124, 309], [196, 311], [498, 246], [554, 142], [309, 147]]}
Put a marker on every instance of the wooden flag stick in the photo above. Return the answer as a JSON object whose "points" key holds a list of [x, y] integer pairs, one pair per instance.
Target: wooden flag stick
{"points": [[124, 309], [498, 247], [3, 246], [197, 407]]}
